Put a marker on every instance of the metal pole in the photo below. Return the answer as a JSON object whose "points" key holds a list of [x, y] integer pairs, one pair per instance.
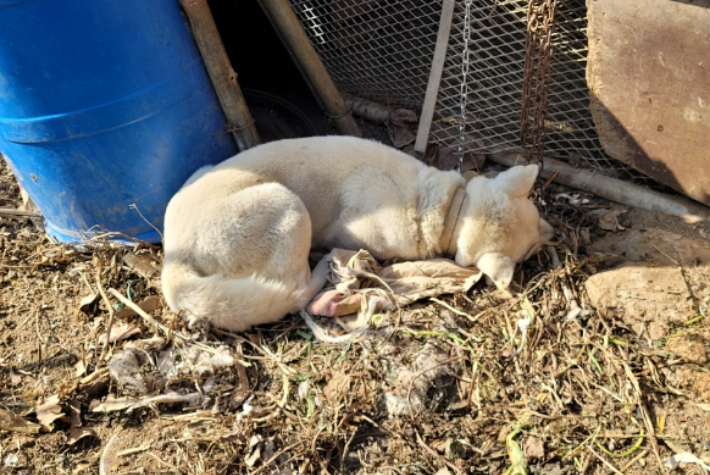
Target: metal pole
{"points": [[437, 68], [372, 111], [294, 37], [612, 189], [224, 78]]}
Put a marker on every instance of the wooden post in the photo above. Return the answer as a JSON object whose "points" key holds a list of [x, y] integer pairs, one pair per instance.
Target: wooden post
{"points": [[294, 37], [219, 68]]}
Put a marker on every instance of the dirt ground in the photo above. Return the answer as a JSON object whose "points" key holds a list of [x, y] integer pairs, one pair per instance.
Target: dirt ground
{"points": [[598, 363]]}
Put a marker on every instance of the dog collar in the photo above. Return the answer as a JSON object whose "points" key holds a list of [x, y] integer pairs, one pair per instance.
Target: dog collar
{"points": [[452, 218]]}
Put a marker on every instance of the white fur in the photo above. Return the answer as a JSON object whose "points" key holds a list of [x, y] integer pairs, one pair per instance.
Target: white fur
{"points": [[237, 235]]}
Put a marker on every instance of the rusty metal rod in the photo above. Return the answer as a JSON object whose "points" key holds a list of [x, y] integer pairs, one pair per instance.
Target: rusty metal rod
{"points": [[612, 189], [224, 78], [294, 37], [19, 213], [372, 111]]}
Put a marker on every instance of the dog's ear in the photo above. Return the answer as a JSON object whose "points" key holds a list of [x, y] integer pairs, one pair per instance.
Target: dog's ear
{"points": [[497, 267], [518, 180]]}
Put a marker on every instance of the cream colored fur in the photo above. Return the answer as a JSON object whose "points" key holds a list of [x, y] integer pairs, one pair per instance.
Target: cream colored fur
{"points": [[237, 235]]}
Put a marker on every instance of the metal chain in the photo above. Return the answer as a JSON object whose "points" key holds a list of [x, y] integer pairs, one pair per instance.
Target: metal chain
{"points": [[461, 149], [536, 79]]}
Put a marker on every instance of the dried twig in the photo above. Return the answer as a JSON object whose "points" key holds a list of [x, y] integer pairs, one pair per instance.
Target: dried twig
{"points": [[191, 398], [345, 451], [18, 213], [168, 332], [631, 462], [111, 314], [108, 456], [436, 456], [604, 461]]}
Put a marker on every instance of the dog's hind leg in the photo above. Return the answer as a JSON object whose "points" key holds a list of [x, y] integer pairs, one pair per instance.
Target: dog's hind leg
{"points": [[249, 263], [318, 278]]}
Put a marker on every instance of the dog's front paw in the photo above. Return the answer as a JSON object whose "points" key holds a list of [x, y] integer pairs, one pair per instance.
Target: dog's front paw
{"points": [[198, 324]]}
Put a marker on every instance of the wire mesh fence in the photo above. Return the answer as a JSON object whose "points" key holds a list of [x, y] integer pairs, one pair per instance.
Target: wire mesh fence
{"points": [[378, 50], [382, 50]]}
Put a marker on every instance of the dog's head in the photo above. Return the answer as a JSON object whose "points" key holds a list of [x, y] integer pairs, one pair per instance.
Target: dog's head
{"points": [[500, 225]]}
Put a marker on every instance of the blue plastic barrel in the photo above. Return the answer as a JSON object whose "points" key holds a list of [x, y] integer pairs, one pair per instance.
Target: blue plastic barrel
{"points": [[104, 104]]}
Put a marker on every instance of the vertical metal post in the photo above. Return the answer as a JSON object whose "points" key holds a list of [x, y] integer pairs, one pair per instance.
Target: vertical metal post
{"points": [[437, 67]]}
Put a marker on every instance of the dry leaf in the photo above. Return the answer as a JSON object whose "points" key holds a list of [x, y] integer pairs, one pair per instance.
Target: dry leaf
{"points": [[111, 404], [439, 444], [255, 451], [446, 158], [303, 389], [403, 126], [704, 407], [12, 422], [144, 265], [75, 413], [125, 367], [15, 379], [120, 332], [236, 437], [534, 448], [77, 433], [339, 384], [49, 411], [332, 303], [553, 469], [80, 368], [86, 303], [148, 305]]}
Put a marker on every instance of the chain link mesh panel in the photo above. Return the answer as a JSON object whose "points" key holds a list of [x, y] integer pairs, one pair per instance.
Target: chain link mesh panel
{"points": [[382, 50]]}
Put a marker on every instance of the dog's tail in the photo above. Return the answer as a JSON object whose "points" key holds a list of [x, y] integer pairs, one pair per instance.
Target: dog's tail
{"points": [[232, 304]]}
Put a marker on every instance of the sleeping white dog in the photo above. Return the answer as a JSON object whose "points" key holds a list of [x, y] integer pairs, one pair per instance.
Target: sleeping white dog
{"points": [[238, 234]]}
